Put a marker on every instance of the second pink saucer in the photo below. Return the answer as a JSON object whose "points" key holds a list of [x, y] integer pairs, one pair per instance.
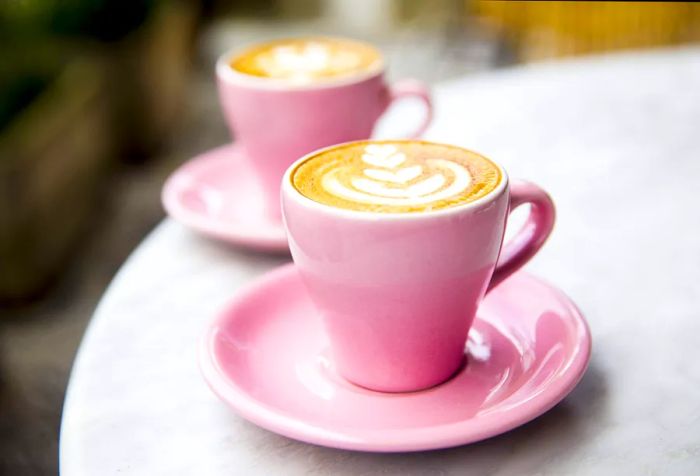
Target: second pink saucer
{"points": [[216, 194], [267, 356]]}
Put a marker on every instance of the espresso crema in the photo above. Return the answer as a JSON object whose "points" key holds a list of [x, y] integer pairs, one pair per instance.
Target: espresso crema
{"points": [[307, 59], [395, 176]]}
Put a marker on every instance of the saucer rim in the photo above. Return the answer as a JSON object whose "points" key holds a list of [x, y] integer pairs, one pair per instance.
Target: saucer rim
{"points": [[469, 430], [219, 230]]}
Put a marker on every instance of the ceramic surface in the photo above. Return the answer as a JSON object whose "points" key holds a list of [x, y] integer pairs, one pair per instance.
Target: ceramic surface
{"points": [[267, 356], [217, 194]]}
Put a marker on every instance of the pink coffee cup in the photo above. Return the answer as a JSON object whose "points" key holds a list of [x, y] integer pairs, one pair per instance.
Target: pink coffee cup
{"points": [[398, 291], [276, 121]]}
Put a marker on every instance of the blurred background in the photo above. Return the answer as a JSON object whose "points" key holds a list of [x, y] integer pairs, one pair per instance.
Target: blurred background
{"points": [[101, 99]]}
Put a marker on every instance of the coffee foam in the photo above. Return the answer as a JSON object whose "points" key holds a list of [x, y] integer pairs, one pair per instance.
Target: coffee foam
{"points": [[395, 176], [307, 59]]}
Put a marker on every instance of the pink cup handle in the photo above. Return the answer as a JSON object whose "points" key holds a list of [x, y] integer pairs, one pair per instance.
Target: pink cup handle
{"points": [[413, 88], [527, 242]]}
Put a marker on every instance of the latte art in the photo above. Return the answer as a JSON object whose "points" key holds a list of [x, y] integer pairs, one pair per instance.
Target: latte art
{"points": [[307, 59], [394, 184], [395, 176]]}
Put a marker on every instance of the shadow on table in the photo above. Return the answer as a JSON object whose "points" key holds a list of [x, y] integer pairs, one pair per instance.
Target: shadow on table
{"points": [[568, 425]]}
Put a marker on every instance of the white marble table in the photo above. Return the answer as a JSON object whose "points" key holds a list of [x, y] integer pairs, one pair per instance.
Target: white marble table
{"points": [[616, 140]]}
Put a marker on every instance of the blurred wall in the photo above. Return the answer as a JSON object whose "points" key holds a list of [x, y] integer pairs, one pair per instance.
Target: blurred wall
{"points": [[540, 30]]}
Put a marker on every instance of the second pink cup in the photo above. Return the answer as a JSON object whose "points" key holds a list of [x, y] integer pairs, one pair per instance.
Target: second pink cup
{"points": [[275, 123]]}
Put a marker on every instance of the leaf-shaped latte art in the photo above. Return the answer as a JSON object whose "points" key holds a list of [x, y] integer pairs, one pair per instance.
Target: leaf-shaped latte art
{"points": [[387, 156], [403, 175], [382, 150], [377, 190], [309, 58], [396, 176], [424, 187]]}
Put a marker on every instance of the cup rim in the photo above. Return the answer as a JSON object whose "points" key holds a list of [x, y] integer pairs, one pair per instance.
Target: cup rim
{"points": [[292, 193], [226, 73]]}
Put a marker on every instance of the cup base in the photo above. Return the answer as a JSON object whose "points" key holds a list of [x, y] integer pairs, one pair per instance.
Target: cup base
{"points": [[411, 387]]}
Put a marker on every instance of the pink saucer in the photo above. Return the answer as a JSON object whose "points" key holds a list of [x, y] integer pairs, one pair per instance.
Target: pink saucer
{"points": [[216, 194], [267, 356]]}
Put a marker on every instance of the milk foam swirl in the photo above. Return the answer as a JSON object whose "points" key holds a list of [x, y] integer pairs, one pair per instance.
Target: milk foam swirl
{"points": [[303, 60], [389, 182], [395, 176], [306, 61]]}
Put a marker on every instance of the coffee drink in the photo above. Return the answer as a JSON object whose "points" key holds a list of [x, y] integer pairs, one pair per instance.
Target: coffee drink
{"points": [[308, 59], [396, 243], [395, 176]]}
